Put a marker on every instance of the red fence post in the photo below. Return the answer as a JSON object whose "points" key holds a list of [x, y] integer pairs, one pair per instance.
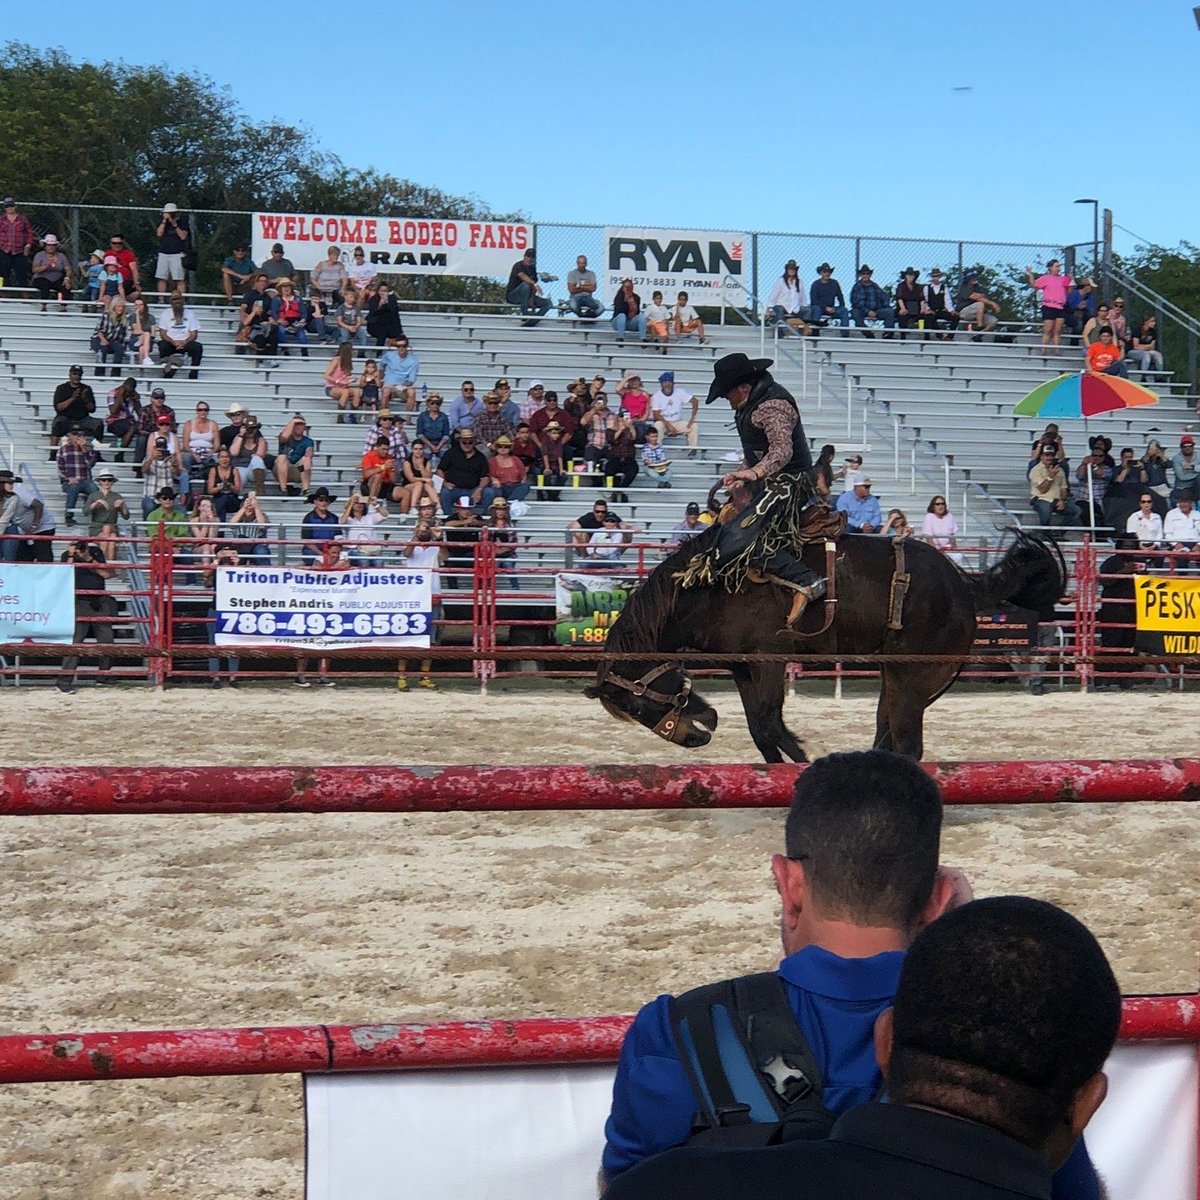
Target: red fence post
{"points": [[162, 603]]}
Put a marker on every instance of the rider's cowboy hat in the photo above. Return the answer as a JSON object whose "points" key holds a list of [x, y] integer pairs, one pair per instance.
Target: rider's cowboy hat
{"points": [[733, 369]]}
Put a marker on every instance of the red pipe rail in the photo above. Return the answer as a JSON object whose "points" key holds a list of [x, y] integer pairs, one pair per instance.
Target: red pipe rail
{"points": [[43, 791], [167, 1053]]}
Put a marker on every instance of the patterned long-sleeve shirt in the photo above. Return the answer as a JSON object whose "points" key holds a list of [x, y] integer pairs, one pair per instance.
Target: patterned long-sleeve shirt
{"points": [[76, 462], [112, 329], [868, 297], [15, 235], [492, 425], [777, 419], [150, 415], [397, 439]]}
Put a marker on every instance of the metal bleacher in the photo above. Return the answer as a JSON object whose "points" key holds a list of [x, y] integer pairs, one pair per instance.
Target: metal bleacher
{"points": [[929, 416]]}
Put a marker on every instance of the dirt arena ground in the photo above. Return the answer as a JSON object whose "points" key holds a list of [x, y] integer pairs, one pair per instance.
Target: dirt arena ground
{"points": [[161, 922]]}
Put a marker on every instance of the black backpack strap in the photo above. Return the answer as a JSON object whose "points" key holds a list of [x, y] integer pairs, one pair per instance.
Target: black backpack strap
{"points": [[779, 1050], [746, 1058]]}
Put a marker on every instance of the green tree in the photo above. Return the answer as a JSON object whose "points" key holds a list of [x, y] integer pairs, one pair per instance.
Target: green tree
{"points": [[1174, 273], [119, 137]]}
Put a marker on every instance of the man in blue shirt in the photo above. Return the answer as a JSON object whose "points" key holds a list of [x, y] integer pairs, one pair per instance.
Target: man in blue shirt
{"points": [[826, 299], [317, 525], [400, 369], [465, 407], [869, 302], [858, 881], [863, 514], [985, 1100]]}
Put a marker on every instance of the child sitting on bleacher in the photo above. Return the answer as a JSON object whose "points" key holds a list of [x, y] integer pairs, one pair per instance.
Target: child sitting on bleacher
{"points": [[654, 459]]}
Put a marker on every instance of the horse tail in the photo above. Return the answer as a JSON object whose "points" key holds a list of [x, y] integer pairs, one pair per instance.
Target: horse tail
{"points": [[1032, 574]]}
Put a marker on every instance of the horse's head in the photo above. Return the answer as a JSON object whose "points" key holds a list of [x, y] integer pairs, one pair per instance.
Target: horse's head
{"points": [[661, 698]]}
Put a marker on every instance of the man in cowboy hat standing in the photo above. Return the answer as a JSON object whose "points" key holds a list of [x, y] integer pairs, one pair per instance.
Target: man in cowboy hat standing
{"points": [[763, 536]]}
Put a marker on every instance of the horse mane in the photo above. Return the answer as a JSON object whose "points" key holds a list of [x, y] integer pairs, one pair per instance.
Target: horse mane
{"points": [[641, 621]]}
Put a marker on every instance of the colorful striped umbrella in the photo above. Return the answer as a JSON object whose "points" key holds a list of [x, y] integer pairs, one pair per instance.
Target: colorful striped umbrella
{"points": [[1083, 394]]}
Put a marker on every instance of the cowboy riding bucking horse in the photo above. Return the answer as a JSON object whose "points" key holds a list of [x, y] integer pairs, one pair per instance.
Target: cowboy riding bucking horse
{"points": [[772, 490]]}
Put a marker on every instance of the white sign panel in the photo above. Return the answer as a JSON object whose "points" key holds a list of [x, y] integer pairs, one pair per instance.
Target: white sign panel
{"points": [[701, 262], [322, 610], [396, 245], [510, 1133]]}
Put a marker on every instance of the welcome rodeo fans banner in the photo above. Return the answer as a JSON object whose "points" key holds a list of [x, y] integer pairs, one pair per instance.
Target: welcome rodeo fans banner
{"points": [[322, 610], [396, 245], [700, 262], [37, 602], [585, 606], [1168, 614]]}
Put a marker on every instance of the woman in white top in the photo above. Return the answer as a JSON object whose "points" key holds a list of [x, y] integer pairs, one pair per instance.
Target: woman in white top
{"points": [[360, 271], [940, 529], [200, 438], [1145, 524], [787, 298], [360, 520]]}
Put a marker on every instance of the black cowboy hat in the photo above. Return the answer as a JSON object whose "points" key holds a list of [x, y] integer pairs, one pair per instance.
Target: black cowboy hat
{"points": [[733, 369]]}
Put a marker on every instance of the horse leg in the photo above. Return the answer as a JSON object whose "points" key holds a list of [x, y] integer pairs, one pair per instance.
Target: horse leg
{"points": [[761, 687], [883, 729], [910, 689]]}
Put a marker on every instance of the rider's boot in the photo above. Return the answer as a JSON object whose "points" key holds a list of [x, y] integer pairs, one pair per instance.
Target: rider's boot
{"points": [[787, 568]]}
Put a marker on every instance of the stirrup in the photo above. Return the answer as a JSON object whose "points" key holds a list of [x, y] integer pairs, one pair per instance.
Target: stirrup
{"points": [[803, 594]]}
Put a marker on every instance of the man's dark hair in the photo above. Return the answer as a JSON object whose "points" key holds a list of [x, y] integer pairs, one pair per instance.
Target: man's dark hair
{"points": [[867, 826], [1004, 1009]]}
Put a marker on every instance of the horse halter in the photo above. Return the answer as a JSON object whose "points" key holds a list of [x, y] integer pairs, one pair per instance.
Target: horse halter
{"points": [[669, 728]]}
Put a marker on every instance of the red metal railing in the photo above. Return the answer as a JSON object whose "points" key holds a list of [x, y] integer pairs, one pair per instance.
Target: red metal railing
{"points": [[491, 605], [167, 1053], [40, 791]]}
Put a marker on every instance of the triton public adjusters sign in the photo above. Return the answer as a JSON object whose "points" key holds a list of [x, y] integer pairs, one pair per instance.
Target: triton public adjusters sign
{"points": [[397, 245], [701, 262], [1168, 614]]}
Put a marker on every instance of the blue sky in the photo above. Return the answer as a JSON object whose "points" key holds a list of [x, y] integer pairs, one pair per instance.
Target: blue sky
{"points": [[824, 118]]}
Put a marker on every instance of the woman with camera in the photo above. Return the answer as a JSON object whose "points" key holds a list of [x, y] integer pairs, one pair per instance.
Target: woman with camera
{"points": [[224, 485]]}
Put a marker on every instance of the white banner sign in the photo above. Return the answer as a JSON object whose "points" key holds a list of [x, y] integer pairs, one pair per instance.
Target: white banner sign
{"points": [[322, 610], [37, 601], [512, 1133], [701, 262], [396, 245]]}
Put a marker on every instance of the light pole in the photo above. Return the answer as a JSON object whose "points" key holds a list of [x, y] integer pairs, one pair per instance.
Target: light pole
{"points": [[1095, 230]]}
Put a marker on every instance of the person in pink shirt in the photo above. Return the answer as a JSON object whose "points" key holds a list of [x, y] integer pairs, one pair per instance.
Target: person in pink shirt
{"points": [[635, 400], [1054, 286]]}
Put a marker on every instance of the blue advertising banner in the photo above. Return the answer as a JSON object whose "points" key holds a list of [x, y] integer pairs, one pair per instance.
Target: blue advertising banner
{"points": [[37, 602]]}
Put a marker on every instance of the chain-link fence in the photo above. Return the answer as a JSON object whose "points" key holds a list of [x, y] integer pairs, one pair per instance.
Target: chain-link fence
{"points": [[1001, 264], [82, 229]]}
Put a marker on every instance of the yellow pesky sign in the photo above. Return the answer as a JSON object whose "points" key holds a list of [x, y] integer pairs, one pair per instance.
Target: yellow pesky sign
{"points": [[1167, 605]]}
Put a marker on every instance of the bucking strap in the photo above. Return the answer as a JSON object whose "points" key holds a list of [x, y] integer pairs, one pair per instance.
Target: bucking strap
{"points": [[900, 582]]}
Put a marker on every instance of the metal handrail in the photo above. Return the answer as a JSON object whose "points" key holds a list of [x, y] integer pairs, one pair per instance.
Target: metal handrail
{"points": [[1160, 302]]}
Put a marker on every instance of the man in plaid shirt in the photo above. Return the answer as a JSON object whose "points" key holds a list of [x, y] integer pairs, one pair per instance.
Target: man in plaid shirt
{"points": [[387, 426], [492, 424], [16, 237], [869, 302], [75, 462], [148, 426]]}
